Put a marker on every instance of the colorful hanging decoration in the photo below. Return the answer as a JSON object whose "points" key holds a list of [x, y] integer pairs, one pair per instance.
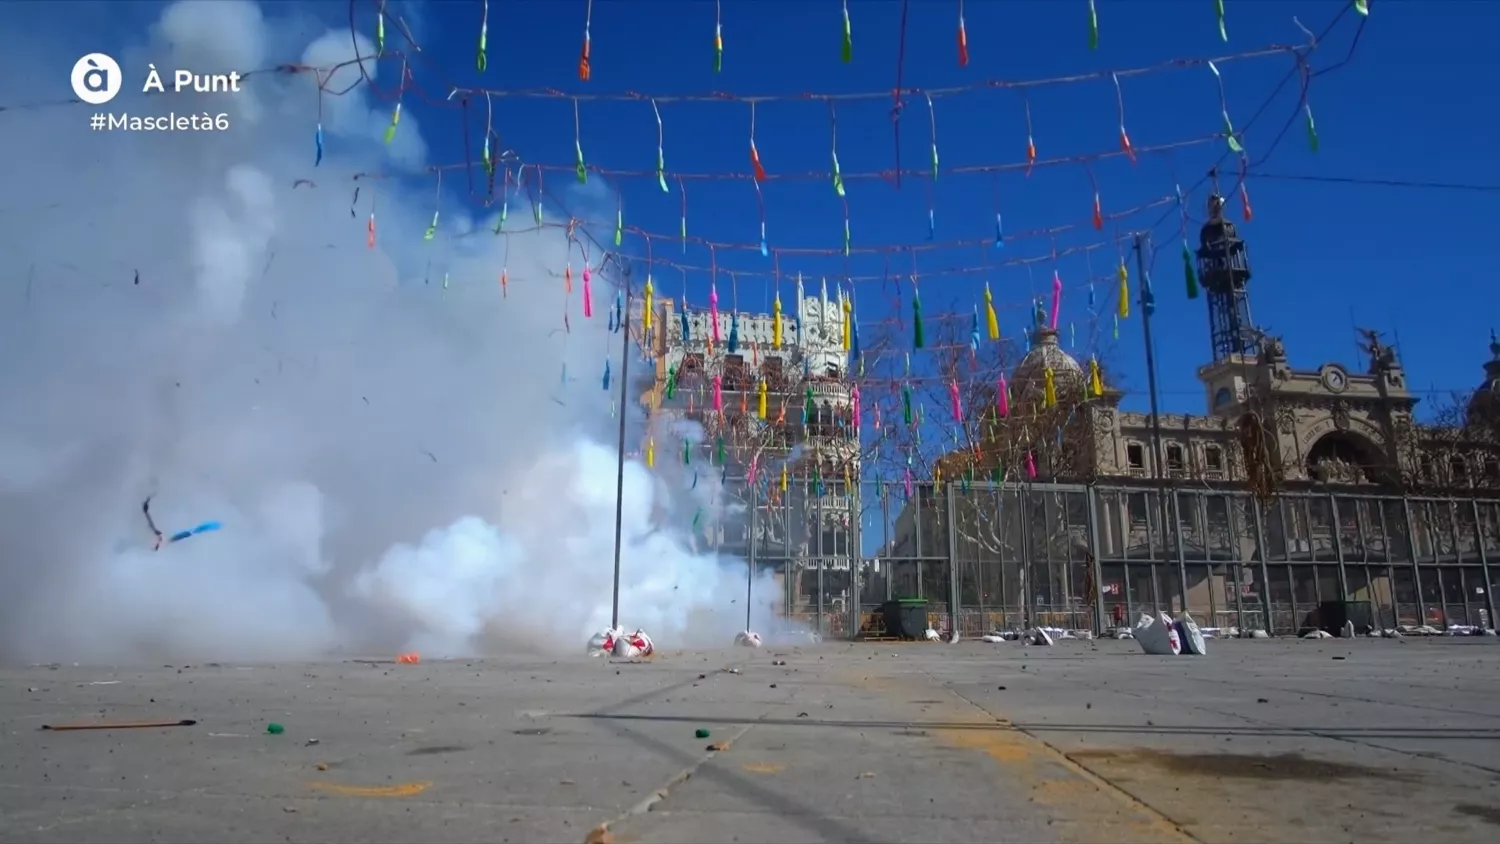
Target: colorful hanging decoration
{"points": [[1189, 275], [848, 311], [846, 50], [1312, 127], [963, 38], [1219, 15], [671, 382], [906, 415], [482, 60], [1002, 397], [390, 129], [733, 346], [1362, 7], [932, 122], [1123, 305], [718, 36], [776, 325], [1096, 380], [761, 399], [1049, 388], [606, 375], [588, 292], [1125, 145], [380, 29], [713, 310], [580, 167], [650, 453], [953, 399], [1229, 133], [661, 155], [687, 454], [1030, 467], [918, 337], [1030, 140], [584, 70], [718, 394], [682, 316], [437, 210], [838, 175], [991, 319], [1057, 291], [854, 407], [650, 293], [1093, 45], [755, 165]]}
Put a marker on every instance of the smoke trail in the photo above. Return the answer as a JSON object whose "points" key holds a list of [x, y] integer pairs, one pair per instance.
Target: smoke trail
{"points": [[183, 323]]}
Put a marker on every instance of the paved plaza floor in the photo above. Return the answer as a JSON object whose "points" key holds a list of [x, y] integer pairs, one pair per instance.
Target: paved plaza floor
{"points": [[1332, 740]]}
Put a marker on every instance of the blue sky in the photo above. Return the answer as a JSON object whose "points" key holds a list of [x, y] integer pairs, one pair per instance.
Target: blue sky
{"points": [[1325, 255], [1402, 260]]}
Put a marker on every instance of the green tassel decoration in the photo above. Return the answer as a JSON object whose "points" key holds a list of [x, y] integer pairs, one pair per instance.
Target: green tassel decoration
{"points": [[918, 337], [619, 225], [482, 61], [661, 170], [390, 131], [1234, 143], [687, 453], [380, 31], [1219, 12], [906, 404], [847, 52], [432, 227], [1362, 7], [809, 408], [583, 170], [671, 381], [719, 450], [1312, 128], [1093, 26], [1188, 275]]}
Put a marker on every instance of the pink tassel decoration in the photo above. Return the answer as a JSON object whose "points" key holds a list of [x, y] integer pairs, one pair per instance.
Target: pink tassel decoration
{"points": [[718, 394], [1030, 466], [588, 292], [908, 483], [854, 402], [1056, 298], [1002, 398], [958, 415], [876, 408], [754, 465], [713, 311]]}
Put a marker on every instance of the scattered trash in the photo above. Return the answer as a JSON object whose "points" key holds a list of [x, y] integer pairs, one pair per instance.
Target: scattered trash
{"points": [[1157, 636], [747, 639], [1261, 700], [731, 671], [701, 733], [119, 725], [101, 683], [778, 662], [322, 766], [1340, 657], [1038, 636], [1259, 634], [311, 742], [932, 635], [1189, 636], [229, 735], [275, 729], [718, 747], [1348, 630], [1317, 634], [600, 835], [867, 775], [408, 659]]}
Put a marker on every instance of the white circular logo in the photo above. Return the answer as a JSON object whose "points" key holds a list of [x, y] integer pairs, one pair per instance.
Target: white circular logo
{"points": [[97, 79]]}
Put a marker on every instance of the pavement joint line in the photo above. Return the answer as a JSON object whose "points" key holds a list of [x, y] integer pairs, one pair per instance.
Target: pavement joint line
{"points": [[1077, 768]]}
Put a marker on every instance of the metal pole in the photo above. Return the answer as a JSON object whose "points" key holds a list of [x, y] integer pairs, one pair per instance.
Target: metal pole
{"points": [[953, 594], [620, 466], [1148, 307], [750, 562]]}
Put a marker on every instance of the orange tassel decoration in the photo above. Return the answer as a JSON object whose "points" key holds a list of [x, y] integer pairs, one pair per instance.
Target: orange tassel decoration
{"points": [[760, 172], [963, 43], [1030, 155], [1245, 209], [1098, 213], [584, 71], [504, 284], [370, 232], [568, 279], [1125, 145]]}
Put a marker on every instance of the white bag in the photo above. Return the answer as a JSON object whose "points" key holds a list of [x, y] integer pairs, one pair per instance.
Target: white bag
{"points": [[747, 639], [1157, 636], [1039, 637], [1191, 637]]}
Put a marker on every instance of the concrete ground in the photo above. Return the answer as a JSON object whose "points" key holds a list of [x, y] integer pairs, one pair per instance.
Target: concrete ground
{"points": [[1364, 740]]}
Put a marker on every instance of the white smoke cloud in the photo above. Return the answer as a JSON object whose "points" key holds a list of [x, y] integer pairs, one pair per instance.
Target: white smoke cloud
{"points": [[395, 461]]}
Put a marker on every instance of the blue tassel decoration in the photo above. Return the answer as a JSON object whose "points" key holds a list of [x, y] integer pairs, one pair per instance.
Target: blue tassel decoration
{"points": [[734, 332], [606, 375], [999, 232], [318, 139]]}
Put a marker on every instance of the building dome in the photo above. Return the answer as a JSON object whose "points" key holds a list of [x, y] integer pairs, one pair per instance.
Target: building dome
{"points": [[1029, 379], [1485, 403]]}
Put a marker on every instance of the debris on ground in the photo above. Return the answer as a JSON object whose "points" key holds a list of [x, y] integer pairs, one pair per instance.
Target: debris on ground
{"points": [[275, 729], [600, 835], [1157, 636], [118, 725], [618, 643], [747, 639], [701, 732], [408, 659], [1189, 636], [1038, 636]]}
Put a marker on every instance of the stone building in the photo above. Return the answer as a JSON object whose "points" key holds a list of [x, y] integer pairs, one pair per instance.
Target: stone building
{"points": [[803, 448], [1302, 464]]}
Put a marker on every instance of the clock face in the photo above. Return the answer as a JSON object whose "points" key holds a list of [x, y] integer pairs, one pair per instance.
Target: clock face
{"points": [[1335, 380]]}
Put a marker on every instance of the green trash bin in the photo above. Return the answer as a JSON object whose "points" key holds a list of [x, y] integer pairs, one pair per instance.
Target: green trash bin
{"points": [[905, 618]]}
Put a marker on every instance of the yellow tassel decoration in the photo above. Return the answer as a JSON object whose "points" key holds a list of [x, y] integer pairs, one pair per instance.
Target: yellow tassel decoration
{"points": [[650, 453], [989, 314], [1096, 382], [1049, 391], [776, 322], [646, 311], [783, 477], [1124, 291], [760, 401], [848, 324]]}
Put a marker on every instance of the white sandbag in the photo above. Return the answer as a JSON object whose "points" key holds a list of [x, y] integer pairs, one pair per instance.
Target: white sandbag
{"points": [[992, 638], [1157, 637], [603, 642], [747, 639], [642, 641], [1190, 636], [1039, 636], [953, 639], [932, 635], [1259, 634], [1348, 630], [1317, 634]]}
